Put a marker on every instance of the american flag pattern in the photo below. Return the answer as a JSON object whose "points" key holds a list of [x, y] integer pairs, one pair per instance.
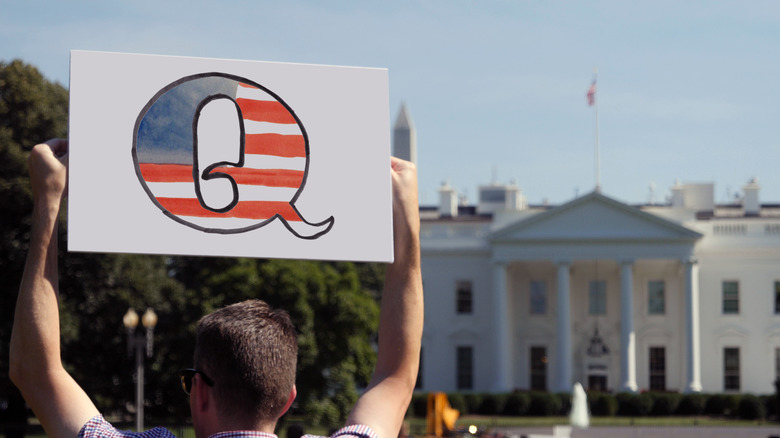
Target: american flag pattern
{"points": [[267, 179]]}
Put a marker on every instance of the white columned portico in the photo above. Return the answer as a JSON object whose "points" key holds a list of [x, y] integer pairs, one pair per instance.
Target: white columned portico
{"points": [[693, 358], [627, 334], [502, 328], [563, 374]]}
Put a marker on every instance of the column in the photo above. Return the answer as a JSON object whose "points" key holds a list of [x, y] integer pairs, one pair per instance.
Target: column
{"points": [[502, 329], [563, 333], [692, 353], [627, 335]]}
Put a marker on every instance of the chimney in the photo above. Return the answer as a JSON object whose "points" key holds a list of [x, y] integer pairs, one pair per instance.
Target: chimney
{"points": [[678, 195], [448, 200], [750, 201]]}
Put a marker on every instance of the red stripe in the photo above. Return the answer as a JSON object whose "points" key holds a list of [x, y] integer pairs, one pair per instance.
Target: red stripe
{"points": [[275, 144], [166, 172], [265, 111], [264, 177], [242, 175], [243, 210]]}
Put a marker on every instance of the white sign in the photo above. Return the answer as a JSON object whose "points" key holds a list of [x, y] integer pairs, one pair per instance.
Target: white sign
{"points": [[194, 156]]}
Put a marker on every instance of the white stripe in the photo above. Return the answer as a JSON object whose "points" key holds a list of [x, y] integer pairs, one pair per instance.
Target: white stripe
{"points": [[172, 189], [253, 94], [245, 192], [252, 127], [262, 193], [254, 161]]}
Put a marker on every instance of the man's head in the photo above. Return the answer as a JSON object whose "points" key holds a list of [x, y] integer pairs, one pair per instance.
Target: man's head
{"points": [[249, 350]]}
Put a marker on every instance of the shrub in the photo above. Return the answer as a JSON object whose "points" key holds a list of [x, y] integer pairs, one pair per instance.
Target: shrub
{"points": [[663, 404], [517, 403], [750, 407], [691, 405], [633, 405], [457, 401], [543, 404], [770, 403], [419, 405], [602, 404], [732, 404], [564, 403], [472, 402], [722, 405], [777, 398], [715, 405], [492, 404]]}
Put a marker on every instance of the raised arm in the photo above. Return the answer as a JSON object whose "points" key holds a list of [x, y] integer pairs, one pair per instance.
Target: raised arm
{"points": [[383, 405], [36, 368]]}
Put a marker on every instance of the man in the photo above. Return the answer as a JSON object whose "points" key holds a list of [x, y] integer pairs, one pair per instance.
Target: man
{"points": [[237, 348]]}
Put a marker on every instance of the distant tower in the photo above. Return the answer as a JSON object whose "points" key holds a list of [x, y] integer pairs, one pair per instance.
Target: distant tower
{"points": [[404, 136]]}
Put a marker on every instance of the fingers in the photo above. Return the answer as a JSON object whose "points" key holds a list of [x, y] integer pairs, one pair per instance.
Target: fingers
{"points": [[56, 148], [405, 204], [404, 176], [48, 170], [59, 146]]}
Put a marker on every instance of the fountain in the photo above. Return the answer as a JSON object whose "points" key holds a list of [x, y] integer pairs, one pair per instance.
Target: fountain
{"points": [[579, 416]]}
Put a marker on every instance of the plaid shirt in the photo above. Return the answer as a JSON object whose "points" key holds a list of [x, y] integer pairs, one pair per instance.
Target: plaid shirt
{"points": [[98, 427]]}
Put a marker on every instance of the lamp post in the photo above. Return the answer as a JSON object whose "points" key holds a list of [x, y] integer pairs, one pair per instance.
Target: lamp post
{"points": [[138, 342]]}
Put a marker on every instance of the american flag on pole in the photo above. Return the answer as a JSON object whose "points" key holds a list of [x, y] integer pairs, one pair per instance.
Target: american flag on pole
{"points": [[592, 93]]}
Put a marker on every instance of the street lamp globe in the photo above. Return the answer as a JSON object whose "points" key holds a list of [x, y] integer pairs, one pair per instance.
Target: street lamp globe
{"points": [[130, 320], [149, 320]]}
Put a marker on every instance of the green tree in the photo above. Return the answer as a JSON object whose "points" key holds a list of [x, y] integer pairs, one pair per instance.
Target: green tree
{"points": [[32, 110], [335, 316]]}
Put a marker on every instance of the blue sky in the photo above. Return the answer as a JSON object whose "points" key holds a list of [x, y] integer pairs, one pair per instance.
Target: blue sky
{"points": [[688, 91]]}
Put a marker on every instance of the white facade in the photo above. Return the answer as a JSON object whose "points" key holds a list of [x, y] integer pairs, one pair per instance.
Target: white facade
{"points": [[683, 297]]}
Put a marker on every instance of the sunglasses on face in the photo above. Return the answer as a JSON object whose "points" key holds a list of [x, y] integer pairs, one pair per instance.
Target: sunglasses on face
{"points": [[188, 374]]}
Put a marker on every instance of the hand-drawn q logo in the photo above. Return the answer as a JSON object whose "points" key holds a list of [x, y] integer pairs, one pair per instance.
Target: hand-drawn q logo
{"points": [[222, 154]]}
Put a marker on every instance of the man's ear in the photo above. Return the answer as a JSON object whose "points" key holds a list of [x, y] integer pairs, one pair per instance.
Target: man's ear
{"points": [[201, 394], [290, 400]]}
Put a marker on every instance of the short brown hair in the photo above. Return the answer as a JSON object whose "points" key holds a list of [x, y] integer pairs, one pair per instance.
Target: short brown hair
{"points": [[250, 351]]}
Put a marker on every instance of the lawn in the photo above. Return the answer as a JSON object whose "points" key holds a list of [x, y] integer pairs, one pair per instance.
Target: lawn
{"points": [[418, 425]]}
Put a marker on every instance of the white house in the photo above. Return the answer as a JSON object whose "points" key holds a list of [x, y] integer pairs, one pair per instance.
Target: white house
{"points": [[683, 296]]}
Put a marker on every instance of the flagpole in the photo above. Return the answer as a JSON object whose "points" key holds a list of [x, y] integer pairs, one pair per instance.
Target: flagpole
{"points": [[596, 129]]}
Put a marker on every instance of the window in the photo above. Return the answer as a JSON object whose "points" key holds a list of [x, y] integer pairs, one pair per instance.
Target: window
{"points": [[538, 298], [777, 297], [464, 302], [731, 369], [656, 304], [465, 364], [657, 369], [597, 298], [730, 297], [597, 382], [538, 368]]}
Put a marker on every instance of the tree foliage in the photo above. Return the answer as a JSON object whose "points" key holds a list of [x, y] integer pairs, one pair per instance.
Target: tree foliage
{"points": [[335, 318], [333, 305], [31, 109]]}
